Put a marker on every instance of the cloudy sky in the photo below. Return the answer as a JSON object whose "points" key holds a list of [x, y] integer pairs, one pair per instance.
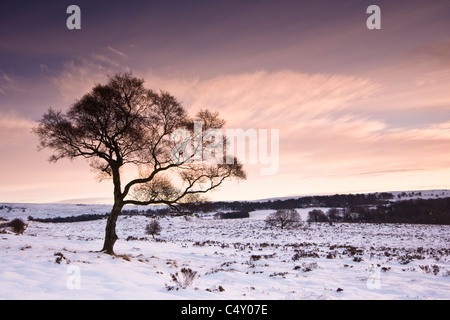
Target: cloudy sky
{"points": [[357, 110]]}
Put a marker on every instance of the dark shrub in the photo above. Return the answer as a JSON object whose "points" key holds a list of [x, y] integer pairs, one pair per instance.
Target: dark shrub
{"points": [[18, 226], [233, 215]]}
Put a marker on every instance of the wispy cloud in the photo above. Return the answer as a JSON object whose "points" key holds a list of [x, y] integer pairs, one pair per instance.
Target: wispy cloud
{"points": [[269, 99], [14, 130], [77, 77], [118, 52], [329, 124], [8, 84]]}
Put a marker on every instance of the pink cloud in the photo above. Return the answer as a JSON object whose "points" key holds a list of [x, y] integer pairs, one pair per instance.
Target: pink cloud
{"points": [[328, 124]]}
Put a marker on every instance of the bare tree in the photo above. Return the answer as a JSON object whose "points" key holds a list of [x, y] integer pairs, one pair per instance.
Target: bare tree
{"points": [[123, 124], [317, 215], [153, 228], [284, 218]]}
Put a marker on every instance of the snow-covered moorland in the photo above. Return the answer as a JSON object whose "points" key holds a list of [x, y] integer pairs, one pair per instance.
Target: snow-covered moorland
{"points": [[203, 258]]}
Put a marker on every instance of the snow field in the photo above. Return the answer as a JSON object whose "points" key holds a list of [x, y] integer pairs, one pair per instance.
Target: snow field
{"points": [[233, 259]]}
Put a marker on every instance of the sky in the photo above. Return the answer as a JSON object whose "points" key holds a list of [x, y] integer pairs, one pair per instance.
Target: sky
{"points": [[357, 110]]}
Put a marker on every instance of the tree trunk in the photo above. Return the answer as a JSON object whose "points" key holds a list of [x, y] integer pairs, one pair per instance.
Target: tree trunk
{"points": [[110, 230]]}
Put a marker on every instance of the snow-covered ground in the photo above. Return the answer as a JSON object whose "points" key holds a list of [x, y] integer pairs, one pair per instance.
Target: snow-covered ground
{"points": [[233, 259]]}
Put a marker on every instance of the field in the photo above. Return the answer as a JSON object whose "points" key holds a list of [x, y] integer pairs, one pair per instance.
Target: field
{"points": [[203, 258]]}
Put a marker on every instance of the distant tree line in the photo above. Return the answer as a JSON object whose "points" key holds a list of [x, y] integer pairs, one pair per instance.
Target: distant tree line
{"points": [[375, 207], [424, 211], [414, 211], [338, 201], [147, 212], [79, 218]]}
